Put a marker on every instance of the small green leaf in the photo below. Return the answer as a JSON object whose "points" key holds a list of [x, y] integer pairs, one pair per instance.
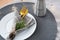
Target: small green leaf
{"points": [[20, 24]]}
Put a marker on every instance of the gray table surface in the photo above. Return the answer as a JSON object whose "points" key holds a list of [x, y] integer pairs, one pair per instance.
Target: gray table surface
{"points": [[46, 26]]}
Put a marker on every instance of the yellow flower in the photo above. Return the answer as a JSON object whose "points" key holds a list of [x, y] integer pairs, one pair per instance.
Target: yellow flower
{"points": [[23, 11]]}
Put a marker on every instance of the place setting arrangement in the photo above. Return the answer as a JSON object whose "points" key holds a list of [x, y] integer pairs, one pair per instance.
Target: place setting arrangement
{"points": [[24, 21]]}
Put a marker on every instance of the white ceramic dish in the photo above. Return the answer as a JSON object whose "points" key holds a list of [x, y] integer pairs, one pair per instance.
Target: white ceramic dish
{"points": [[6, 26]]}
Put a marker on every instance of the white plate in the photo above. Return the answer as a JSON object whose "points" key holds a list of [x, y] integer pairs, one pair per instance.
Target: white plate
{"points": [[6, 26]]}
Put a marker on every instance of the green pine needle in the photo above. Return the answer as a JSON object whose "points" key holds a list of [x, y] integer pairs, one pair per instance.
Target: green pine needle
{"points": [[20, 24]]}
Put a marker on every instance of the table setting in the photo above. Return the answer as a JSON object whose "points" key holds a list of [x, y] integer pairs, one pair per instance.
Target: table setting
{"points": [[39, 26]]}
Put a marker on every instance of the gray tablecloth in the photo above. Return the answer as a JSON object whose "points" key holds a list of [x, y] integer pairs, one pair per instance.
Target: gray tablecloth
{"points": [[46, 25]]}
